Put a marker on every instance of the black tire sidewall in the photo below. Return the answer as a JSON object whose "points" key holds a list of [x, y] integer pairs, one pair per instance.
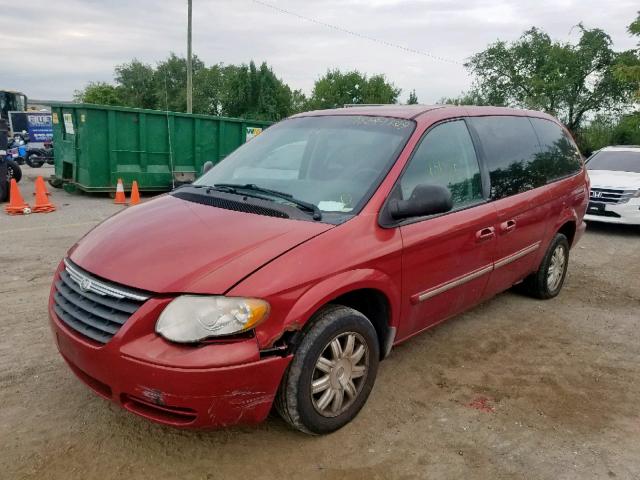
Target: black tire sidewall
{"points": [[337, 321], [17, 171]]}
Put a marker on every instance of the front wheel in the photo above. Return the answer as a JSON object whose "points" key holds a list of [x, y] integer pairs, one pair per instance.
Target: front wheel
{"points": [[548, 280], [332, 372]]}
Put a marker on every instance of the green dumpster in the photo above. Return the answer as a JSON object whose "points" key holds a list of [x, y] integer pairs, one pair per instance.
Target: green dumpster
{"points": [[94, 145]]}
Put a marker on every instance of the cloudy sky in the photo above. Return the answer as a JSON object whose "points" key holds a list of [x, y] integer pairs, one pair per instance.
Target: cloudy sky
{"points": [[51, 48]]}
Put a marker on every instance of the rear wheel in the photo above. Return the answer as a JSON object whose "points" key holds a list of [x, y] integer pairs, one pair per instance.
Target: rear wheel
{"points": [[34, 160], [332, 372], [549, 279]]}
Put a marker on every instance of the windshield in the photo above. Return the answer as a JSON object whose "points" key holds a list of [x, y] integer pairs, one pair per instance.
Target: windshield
{"points": [[332, 162], [618, 161]]}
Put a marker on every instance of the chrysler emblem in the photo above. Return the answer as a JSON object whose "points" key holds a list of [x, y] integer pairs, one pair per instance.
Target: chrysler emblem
{"points": [[85, 284]]}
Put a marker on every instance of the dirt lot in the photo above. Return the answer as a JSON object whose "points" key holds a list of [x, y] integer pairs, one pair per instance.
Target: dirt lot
{"points": [[516, 388]]}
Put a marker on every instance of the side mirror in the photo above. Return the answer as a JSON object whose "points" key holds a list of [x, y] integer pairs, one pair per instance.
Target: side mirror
{"points": [[208, 165], [425, 200]]}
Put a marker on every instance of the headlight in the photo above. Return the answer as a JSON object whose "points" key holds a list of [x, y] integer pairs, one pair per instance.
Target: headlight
{"points": [[190, 318]]}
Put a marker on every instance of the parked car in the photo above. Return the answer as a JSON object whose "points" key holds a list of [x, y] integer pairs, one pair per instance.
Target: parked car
{"points": [[615, 185], [286, 280]]}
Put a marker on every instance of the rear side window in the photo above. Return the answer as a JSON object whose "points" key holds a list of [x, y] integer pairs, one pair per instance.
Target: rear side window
{"points": [[559, 157], [446, 157], [511, 147]]}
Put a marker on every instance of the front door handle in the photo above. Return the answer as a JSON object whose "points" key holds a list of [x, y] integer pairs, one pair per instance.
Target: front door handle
{"points": [[485, 234], [508, 226]]}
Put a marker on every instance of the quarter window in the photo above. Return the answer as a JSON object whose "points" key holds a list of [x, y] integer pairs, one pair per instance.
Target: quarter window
{"points": [[559, 156], [445, 157], [511, 147]]}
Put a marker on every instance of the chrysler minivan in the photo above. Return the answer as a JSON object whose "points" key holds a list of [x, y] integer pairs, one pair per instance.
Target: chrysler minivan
{"points": [[288, 271]]}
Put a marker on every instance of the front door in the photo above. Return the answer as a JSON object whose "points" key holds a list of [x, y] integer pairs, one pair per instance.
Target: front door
{"points": [[447, 259]]}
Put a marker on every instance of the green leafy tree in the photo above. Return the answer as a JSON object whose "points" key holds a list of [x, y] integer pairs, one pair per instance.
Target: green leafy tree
{"points": [[336, 89], [565, 80], [472, 97], [413, 98], [252, 92], [208, 90], [628, 68], [99, 93], [299, 101], [170, 82], [135, 81]]}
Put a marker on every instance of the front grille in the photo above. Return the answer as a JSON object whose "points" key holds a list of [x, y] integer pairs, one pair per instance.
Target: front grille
{"points": [[611, 195], [94, 308]]}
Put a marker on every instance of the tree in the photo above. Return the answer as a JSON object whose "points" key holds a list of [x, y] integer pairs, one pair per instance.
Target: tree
{"points": [[336, 89], [135, 81], [472, 97], [208, 90], [170, 82], [628, 68], [299, 101], [252, 92], [100, 93], [413, 98], [565, 80]]}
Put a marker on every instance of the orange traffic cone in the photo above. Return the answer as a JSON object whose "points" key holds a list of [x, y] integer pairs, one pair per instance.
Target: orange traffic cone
{"points": [[17, 205], [120, 198], [135, 194], [42, 205]]}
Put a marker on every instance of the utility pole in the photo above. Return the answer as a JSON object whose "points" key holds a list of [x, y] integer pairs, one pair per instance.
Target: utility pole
{"points": [[189, 66]]}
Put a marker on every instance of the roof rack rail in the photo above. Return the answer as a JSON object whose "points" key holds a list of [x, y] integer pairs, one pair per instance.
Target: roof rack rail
{"points": [[354, 105]]}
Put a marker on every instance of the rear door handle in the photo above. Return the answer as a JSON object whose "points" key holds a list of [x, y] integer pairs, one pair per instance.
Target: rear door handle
{"points": [[508, 226], [485, 234]]}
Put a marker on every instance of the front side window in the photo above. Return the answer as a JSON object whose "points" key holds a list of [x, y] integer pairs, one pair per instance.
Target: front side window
{"points": [[445, 157], [332, 162], [510, 147]]}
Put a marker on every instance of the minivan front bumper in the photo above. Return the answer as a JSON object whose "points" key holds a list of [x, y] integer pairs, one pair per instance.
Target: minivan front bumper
{"points": [[212, 385]]}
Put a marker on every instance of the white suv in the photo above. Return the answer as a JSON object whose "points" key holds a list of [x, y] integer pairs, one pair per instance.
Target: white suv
{"points": [[615, 185]]}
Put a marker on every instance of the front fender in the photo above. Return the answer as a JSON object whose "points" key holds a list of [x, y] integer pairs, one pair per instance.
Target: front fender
{"points": [[332, 287], [326, 290]]}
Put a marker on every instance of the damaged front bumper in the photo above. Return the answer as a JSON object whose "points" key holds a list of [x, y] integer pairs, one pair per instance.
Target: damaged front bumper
{"points": [[212, 385]]}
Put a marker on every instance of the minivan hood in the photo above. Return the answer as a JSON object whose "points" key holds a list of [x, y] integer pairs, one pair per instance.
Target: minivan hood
{"points": [[614, 180], [171, 245]]}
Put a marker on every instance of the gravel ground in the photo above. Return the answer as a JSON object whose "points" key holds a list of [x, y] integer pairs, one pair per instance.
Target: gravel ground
{"points": [[515, 388]]}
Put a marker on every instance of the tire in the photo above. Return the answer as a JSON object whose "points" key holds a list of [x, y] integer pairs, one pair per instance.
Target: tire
{"points": [[312, 413], [35, 161], [548, 280], [13, 171]]}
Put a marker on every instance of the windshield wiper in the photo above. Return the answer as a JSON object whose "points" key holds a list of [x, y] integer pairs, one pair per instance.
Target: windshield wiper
{"points": [[301, 204]]}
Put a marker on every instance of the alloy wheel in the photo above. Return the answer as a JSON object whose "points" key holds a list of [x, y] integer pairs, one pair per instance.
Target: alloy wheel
{"points": [[339, 374]]}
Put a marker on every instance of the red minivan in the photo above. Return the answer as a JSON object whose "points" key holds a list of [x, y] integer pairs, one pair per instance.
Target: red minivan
{"points": [[286, 272]]}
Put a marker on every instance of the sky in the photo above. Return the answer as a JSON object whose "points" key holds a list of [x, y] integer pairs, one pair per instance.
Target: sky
{"points": [[49, 48]]}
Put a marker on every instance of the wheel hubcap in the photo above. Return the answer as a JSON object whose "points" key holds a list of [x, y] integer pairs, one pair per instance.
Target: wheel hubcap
{"points": [[339, 374], [556, 268]]}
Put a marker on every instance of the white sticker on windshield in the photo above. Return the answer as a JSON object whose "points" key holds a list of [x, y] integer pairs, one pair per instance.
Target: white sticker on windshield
{"points": [[331, 206]]}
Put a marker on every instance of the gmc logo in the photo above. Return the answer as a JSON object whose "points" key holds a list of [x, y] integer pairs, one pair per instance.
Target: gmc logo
{"points": [[593, 194]]}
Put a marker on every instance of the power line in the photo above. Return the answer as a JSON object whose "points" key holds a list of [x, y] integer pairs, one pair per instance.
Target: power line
{"points": [[356, 34]]}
